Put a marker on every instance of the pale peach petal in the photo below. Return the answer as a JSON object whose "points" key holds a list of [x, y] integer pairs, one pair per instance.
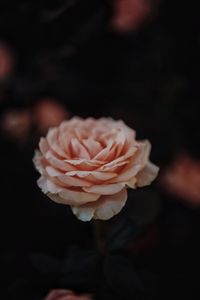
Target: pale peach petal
{"points": [[42, 183], [111, 154], [131, 170], [79, 151], [119, 148], [84, 164], [132, 183], [105, 189], [112, 167], [104, 152], [63, 143], [92, 146], [58, 294], [39, 162], [69, 197], [72, 197], [131, 151], [73, 181], [109, 135], [47, 185], [137, 162], [93, 175], [52, 172], [52, 139], [55, 197], [43, 146], [58, 163], [67, 141], [104, 208], [142, 154], [147, 174], [52, 135]]}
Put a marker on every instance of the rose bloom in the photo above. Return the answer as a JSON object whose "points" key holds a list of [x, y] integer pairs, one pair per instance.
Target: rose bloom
{"points": [[88, 164], [6, 61], [182, 179], [16, 124], [48, 113], [130, 14], [65, 295]]}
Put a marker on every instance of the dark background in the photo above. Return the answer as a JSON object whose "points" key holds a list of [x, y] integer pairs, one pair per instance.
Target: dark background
{"points": [[149, 77]]}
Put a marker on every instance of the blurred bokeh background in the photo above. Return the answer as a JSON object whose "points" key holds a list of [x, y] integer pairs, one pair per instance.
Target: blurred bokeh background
{"points": [[136, 60]]}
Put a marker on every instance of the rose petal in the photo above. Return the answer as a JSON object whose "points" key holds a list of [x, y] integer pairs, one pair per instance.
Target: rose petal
{"points": [[52, 172], [104, 152], [147, 175], [43, 146], [52, 139], [105, 189], [93, 147], [92, 175], [104, 208], [72, 197], [73, 181], [78, 150], [57, 294], [39, 162], [111, 167], [84, 164], [47, 185], [58, 163], [131, 170], [131, 151], [142, 155]]}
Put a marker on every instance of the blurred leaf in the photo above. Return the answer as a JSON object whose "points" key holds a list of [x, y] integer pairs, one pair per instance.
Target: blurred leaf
{"points": [[143, 206], [45, 263], [122, 278], [120, 234]]}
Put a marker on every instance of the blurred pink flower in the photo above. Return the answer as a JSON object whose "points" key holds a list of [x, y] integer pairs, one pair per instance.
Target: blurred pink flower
{"points": [[48, 113], [16, 124], [130, 14], [65, 295], [6, 61], [182, 179], [88, 164]]}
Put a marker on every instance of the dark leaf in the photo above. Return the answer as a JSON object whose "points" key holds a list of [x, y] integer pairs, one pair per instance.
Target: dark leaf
{"points": [[120, 234], [45, 263], [123, 280]]}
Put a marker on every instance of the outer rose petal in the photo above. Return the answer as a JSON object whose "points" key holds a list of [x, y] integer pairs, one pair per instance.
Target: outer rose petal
{"points": [[73, 181], [39, 162], [105, 208], [43, 145], [92, 175], [65, 295], [105, 189], [147, 175], [57, 294], [58, 163], [67, 196], [47, 185], [52, 139]]}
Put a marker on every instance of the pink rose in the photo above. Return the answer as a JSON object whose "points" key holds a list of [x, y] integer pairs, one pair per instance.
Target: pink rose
{"points": [[130, 14], [182, 179], [48, 113], [6, 61], [88, 164], [16, 124], [65, 295]]}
